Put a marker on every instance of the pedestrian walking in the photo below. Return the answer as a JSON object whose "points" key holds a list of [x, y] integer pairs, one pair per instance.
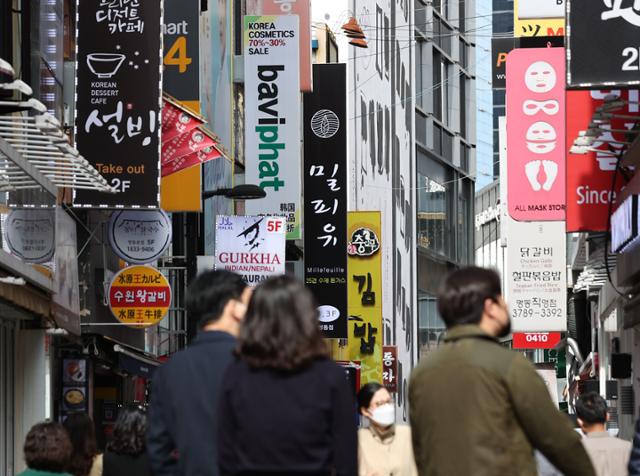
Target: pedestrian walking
{"points": [[183, 415], [477, 407], [634, 459], [47, 450], [285, 407], [126, 452], [609, 455], [85, 460], [384, 448]]}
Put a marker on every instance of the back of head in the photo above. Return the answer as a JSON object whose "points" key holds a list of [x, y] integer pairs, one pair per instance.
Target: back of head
{"points": [[210, 292], [462, 296], [281, 328], [82, 434], [47, 447], [591, 408], [129, 433]]}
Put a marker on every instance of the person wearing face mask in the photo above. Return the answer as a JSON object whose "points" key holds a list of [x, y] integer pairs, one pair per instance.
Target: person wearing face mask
{"points": [[384, 448], [478, 408]]}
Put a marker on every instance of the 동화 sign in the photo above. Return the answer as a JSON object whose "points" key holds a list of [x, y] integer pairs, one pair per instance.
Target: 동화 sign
{"points": [[272, 116], [253, 247], [118, 99], [139, 236]]}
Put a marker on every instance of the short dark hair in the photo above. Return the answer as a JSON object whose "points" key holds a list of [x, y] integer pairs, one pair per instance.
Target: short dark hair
{"points": [[281, 328], [210, 292], [82, 434], [462, 295], [366, 393], [47, 447], [591, 408], [129, 433]]}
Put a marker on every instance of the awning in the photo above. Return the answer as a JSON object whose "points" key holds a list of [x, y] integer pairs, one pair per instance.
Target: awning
{"points": [[135, 363]]}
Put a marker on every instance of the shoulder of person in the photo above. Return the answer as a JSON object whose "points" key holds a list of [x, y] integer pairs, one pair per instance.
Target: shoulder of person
{"points": [[96, 467]]}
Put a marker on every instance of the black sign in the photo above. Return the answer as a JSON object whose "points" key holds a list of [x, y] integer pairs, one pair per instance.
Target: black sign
{"points": [[181, 77], [500, 48], [325, 189], [118, 99], [602, 44]]}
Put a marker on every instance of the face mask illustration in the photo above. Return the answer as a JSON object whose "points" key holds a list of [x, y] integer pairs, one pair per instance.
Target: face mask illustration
{"points": [[532, 107], [540, 77], [541, 138]]}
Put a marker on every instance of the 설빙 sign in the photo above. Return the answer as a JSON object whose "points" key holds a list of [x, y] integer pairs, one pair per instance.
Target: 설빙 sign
{"points": [[139, 296], [253, 247], [272, 115], [325, 185], [602, 44], [536, 120], [139, 236], [118, 99], [364, 273], [30, 234], [537, 276]]}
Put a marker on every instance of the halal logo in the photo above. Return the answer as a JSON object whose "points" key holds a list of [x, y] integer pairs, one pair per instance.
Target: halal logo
{"points": [[325, 123]]}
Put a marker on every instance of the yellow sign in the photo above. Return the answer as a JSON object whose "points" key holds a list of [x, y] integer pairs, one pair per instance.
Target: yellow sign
{"points": [[536, 26], [139, 296]]}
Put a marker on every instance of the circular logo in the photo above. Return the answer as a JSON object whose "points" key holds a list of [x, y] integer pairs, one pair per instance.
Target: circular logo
{"points": [[30, 235], [327, 313], [139, 236], [325, 124]]}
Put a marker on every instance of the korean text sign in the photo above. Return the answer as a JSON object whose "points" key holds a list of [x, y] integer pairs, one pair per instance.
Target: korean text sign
{"points": [[590, 175], [325, 185], [535, 134], [390, 367], [602, 44], [537, 276], [118, 99], [272, 116], [253, 247], [364, 267], [538, 18]]}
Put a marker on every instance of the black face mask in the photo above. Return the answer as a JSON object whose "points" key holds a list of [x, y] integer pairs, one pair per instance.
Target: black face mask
{"points": [[506, 330]]}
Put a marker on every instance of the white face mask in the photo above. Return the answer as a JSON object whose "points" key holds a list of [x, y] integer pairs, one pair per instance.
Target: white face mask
{"points": [[384, 415]]}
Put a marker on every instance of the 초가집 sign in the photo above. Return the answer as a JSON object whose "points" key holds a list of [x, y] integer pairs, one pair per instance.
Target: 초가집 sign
{"points": [[139, 236], [30, 234]]}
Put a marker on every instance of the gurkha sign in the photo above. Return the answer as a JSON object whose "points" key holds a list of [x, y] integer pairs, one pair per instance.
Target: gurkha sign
{"points": [[118, 96], [602, 43]]}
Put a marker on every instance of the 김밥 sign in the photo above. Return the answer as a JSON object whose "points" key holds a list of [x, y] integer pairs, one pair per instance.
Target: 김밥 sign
{"points": [[253, 247], [139, 236], [30, 234], [272, 115], [118, 96], [325, 185], [535, 115]]}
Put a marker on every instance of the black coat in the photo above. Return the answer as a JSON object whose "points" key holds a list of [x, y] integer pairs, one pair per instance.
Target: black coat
{"points": [[124, 465], [274, 422], [183, 414], [634, 461]]}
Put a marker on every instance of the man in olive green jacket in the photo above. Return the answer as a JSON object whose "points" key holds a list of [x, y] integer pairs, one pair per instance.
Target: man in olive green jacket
{"points": [[477, 408]]}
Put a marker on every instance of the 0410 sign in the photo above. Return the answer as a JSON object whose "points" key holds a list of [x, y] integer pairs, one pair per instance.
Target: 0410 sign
{"points": [[536, 340]]}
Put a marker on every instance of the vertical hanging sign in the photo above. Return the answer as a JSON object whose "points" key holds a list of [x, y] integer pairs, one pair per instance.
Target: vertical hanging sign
{"points": [[272, 116], [118, 99], [325, 188]]}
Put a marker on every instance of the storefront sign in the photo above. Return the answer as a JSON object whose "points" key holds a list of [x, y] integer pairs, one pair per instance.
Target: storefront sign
{"points": [[538, 18], [602, 44], [390, 367], [590, 175], [139, 236], [186, 144], [325, 185], [535, 134], [537, 276], [500, 48], [253, 247], [118, 100], [65, 302], [489, 214], [548, 374], [624, 225], [364, 267], [177, 120], [30, 234], [272, 115], [536, 340], [139, 296]]}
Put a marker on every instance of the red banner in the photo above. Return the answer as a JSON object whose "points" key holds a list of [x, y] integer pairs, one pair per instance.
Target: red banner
{"points": [[197, 158], [186, 144], [590, 175], [536, 340], [177, 120]]}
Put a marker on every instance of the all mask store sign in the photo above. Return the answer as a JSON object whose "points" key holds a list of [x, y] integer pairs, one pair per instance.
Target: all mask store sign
{"points": [[535, 136], [272, 115], [252, 246], [118, 99]]}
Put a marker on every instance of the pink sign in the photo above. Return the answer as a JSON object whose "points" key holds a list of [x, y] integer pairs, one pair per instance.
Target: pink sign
{"points": [[536, 134]]}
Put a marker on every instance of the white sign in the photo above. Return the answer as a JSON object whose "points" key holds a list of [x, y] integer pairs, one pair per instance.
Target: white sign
{"points": [[30, 234], [550, 380], [253, 247], [139, 236], [537, 276], [540, 9], [487, 215], [272, 115]]}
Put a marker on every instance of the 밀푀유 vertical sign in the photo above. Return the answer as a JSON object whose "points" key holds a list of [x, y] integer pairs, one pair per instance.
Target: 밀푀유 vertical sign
{"points": [[118, 99], [325, 186], [272, 115]]}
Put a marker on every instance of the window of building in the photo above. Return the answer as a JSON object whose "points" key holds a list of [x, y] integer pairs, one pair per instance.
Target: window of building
{"points": [[445, 74], [464, 214], [434, 207], [437, 85], [463, 106], [431, 328], [421, 84]]}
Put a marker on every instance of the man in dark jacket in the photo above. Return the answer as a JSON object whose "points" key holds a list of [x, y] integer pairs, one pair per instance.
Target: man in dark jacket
{"points": [[634, 459], [181, 436], [477, 407]]}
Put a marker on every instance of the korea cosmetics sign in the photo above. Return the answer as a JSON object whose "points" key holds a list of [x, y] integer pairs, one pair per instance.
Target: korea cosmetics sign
{"points": [[603, 50], [272, 116], [118, 100]]}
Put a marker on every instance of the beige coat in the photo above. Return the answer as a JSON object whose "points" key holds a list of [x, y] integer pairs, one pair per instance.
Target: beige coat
{"points": [[609, 455], [391, 457]]}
